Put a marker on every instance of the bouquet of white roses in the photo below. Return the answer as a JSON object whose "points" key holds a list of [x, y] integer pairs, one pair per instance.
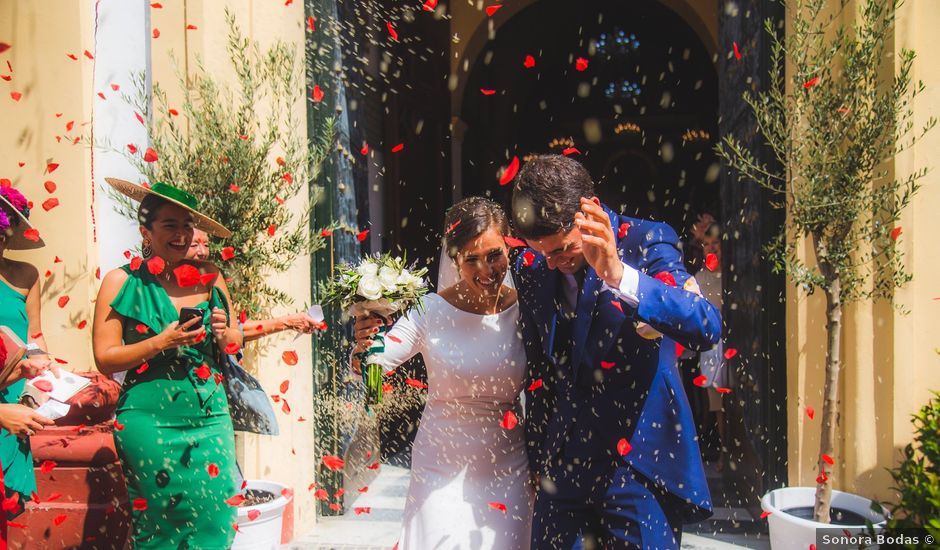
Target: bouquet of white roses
{"points": [[382, 285]]}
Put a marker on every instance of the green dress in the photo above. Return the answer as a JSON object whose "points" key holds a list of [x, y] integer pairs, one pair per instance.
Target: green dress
{"points": [[177, 447], [15, 454]]}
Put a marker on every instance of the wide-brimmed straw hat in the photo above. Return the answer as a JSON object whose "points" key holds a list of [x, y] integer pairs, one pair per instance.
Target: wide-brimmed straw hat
{"points": [[176, 196], [16, 234]]}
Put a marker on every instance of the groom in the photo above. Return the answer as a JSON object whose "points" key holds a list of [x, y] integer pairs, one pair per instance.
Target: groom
{"points": [[611, 437]]}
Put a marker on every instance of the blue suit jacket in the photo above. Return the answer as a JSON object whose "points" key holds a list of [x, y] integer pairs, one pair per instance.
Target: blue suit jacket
{"points": [[583, 409]]}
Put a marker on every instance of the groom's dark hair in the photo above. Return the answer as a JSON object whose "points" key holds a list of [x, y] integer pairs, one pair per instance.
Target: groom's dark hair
{"points": [[547, 195]]}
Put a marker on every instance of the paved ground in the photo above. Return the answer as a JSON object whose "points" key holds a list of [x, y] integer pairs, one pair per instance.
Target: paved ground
{"points": [[731, 528]]}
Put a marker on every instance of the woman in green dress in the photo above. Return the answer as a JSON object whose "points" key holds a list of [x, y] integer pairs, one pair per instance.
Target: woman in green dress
{"points": [[19, 310], [173, 431]]}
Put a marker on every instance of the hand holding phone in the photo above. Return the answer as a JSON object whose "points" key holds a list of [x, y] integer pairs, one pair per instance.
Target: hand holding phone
{"points": [[189, 313]]}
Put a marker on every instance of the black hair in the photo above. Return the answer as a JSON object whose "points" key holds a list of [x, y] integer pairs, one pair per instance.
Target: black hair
{"points": [[470, 218], [547, 195], [147, 212]]}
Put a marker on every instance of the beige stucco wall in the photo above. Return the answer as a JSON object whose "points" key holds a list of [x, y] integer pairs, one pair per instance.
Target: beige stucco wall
{"points": [[890, 362], [41, 33], [289, 457]]}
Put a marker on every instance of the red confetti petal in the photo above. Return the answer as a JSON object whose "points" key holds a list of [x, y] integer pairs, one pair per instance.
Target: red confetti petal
{"points": [[4, 47], [485, 91], [730, 353], [700, 380], [666, 277], [570, 151], [363, 489], [227, 253], [362, 510], [191, 27], [235, 500], [580, 64], [510, 171], [398, 148], [624, 447], [810, 412], [150, 155], [394, 338], [711, 262], [391, 30], [764, 514], [490, 10], [206, 279], [513, 242], [59, 520], [118, 426], [232, 348], [317, 93], [143, 368], [895, 233], [82, 324], [365, 149], [213, 470], [51, 167], [289, 357], [361, 236], [203, 372], [509, 421], [156, 33], [63, 300], [529, 62], [679, 349], [608, 365], [373, 466], [414, 383], [115, 87], [822, 478], [498, 506], [50, 186], [527, 258], [234, 188], [811, 82], [321, 494], [536, 384], [737, 52], [186, 276], [622, 230], [723, 390], [136, 262], [156, 265], [285, 385], [50, 203], [617, 304], [326, 233], [827, 459], [311, 23], [333, 462], [288, 178], [271, 230], [429, 5], [72, 56], [173, 112], [47, 466], [139, 118]]}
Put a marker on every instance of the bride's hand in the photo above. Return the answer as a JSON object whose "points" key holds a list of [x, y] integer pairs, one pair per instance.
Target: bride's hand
{"points": [[365, 328]]}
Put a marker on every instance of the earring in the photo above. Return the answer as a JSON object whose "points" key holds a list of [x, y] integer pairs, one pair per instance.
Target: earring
{"points": [[146, 249]]}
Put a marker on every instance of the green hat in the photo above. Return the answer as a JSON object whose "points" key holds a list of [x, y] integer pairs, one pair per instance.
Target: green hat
{"points": [[176, 196]]}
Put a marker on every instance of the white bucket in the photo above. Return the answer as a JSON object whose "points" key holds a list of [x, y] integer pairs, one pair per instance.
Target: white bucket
{"points": [[788, 532], [264, 532]]}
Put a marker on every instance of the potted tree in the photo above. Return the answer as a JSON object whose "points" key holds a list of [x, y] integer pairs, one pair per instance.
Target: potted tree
{"points": [[832, 115]]}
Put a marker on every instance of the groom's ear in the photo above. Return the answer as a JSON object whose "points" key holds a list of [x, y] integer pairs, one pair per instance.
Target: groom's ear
{"points": [[596, 200]]}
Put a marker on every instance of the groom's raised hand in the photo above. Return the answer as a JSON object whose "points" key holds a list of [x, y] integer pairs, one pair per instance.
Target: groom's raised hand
{"points": [[599, 242]]}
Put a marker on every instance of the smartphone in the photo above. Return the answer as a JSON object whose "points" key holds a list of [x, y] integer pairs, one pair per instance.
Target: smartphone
{"points": [[188, 313]]}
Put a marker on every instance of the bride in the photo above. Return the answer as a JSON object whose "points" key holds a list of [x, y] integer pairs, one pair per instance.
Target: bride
{"points": [[470, 485]]}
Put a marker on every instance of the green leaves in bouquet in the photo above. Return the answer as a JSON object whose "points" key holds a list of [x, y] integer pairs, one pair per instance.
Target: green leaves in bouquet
{"points": [[241, 148]]}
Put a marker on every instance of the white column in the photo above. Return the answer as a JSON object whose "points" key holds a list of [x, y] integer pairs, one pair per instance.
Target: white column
{"points": [[122, 47]]}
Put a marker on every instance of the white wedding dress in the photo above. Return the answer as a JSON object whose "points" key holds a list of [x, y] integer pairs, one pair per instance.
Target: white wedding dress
{"points": [[470, 484]]}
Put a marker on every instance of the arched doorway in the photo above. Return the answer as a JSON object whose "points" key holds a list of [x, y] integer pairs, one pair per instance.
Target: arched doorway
{"points": [[643, 114]]}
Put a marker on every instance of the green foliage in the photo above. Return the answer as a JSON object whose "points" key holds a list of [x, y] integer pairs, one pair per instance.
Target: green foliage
{"points": [[918, 476], [831, 125], [219, 139]]}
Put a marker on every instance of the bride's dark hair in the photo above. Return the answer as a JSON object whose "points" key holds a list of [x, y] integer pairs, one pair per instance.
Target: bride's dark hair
{"points": [[468, 219]]}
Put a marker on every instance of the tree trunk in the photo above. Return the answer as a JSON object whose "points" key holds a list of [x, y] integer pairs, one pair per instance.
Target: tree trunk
{"points": [[830, 392]]}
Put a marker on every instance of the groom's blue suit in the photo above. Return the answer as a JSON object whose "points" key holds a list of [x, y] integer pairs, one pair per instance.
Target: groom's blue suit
{"points": [[617, 386]]}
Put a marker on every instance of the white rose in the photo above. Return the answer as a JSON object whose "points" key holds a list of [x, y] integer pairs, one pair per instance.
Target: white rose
{"points": [[388, 277], [368, 269], [369, 287]]}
